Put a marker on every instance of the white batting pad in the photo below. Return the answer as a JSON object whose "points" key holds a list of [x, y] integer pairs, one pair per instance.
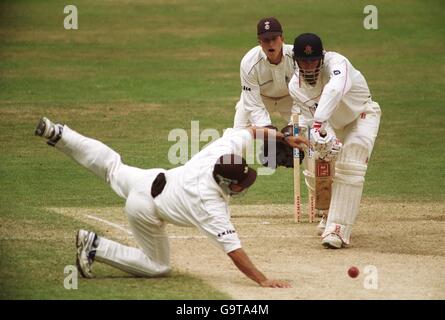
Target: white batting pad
{"points": [[350, 170], [309, 178]]}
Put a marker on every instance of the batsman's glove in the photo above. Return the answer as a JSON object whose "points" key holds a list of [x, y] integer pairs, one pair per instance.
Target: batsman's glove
{"points": [[325, 144]]}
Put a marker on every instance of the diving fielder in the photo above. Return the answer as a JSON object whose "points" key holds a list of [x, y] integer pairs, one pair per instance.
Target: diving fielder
{"points": [[265, 74], [334, 97], [195, 194]]}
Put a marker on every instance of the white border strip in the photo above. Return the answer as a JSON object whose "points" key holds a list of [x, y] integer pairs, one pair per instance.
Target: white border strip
{"points": [[109, 223]]}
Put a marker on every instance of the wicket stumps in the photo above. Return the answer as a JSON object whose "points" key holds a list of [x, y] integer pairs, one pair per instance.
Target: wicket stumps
{"points": [[297, 186]]}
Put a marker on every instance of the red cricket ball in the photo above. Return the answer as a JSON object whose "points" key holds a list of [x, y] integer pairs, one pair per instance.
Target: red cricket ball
{"points": [[353, 272]]}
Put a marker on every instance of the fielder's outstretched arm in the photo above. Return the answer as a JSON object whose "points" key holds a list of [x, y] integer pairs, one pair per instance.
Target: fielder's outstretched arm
{"points": [[243, 263], [266, 133]]}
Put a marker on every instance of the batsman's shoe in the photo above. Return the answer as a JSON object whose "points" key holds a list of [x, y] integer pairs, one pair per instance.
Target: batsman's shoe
{"points": [[86, 252], [49, 130], [321, 226], [319, 213], [332, 241], [335, 236]]}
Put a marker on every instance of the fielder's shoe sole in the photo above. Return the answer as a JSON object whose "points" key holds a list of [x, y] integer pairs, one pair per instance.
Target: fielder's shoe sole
{"points": [[45, 128], [49, 130], [85, 252]]}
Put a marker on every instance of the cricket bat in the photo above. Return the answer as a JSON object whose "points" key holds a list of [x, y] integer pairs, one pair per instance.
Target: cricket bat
{"points": [[323, 183]]}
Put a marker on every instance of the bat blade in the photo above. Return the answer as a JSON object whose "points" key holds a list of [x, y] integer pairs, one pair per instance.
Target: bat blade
{"points": [[323, 184]]}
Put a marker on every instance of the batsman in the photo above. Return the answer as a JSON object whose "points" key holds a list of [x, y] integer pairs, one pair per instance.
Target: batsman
{"points": [[336, 104]]}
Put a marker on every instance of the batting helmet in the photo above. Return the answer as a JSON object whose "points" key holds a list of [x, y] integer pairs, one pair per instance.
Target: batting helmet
{"points": [[308, 46]]}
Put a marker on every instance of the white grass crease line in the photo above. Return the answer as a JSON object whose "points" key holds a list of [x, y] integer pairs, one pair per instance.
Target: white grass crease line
{"points": [[109, 223], [194, 237]]}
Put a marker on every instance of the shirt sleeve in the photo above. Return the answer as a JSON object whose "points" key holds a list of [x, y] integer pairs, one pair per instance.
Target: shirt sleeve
{"points": [[246, 139], [298, 102], [338, 85], [218, 228], [251, 98], [240, 139]]}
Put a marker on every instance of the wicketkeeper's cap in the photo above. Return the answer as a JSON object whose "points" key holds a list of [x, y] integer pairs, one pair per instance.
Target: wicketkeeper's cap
{"points": [[235, 168], [269, 28]]}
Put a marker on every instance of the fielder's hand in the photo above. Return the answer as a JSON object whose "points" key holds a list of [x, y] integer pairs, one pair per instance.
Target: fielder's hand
{"points": [[327, 145], [297, 142], [275, 284]]}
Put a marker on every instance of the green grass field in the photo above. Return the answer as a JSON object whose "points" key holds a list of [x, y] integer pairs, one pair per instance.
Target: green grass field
{"points": [[137, 69]]}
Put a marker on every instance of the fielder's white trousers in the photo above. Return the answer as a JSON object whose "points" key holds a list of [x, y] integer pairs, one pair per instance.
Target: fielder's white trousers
{"points": [[243, 116], [134, 185]]}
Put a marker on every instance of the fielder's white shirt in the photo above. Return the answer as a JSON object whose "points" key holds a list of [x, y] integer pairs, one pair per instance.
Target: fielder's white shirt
{"points": [[339, 97], [192, 197], [260, 78]]}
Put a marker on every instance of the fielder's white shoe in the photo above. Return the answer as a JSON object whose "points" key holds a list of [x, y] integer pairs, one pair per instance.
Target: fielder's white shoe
{"points": [[49, 130], [86, 252], [321, 226]]}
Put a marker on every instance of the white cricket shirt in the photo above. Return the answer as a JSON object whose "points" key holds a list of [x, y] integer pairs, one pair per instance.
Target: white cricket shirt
{"points": [[192, 197], [339, 97], [260, 78]]}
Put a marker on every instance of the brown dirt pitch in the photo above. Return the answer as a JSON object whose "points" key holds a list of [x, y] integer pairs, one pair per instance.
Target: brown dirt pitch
{"points": [[398, 248]]}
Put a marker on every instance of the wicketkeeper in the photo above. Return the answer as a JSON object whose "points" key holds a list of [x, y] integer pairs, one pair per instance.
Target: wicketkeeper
{"points": [[195, 194], [334, 97], [265, 73]]}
